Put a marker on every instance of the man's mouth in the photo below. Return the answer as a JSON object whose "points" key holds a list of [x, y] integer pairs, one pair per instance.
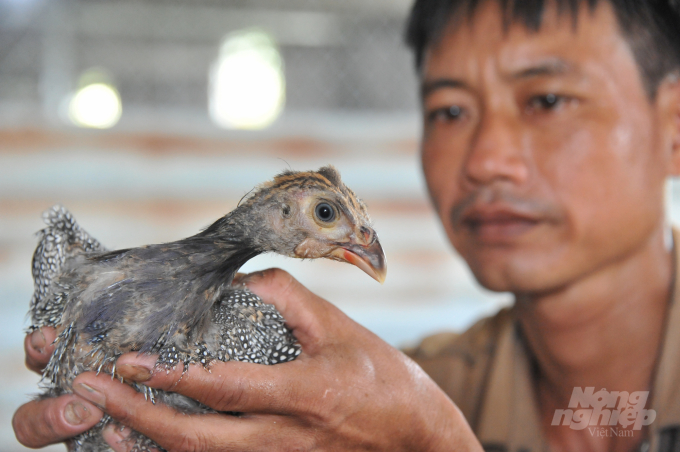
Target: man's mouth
{"points": [[498, 224]]}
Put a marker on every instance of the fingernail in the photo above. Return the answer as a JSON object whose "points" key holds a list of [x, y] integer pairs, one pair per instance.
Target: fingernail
{"points": [[91, 394], [251, 277], [117, 430], [76, 413], [115, 434], [38, 341], [134, 372]]}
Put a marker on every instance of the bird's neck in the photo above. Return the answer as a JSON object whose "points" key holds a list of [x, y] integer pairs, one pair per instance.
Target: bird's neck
{"points": [[234, 238]]}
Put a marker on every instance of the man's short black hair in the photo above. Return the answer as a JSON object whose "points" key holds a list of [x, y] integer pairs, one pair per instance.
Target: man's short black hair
{"points": [[651, 27]]}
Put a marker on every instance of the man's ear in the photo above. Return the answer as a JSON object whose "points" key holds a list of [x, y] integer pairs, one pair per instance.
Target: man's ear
{"points": [[668, 104]]}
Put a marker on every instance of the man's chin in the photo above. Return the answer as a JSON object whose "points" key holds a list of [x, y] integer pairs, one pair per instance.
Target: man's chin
{"points": [[535, 262], [516, 278]]}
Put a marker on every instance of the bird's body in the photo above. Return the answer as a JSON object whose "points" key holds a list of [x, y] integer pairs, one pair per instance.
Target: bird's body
{"points": [[177, 299]]}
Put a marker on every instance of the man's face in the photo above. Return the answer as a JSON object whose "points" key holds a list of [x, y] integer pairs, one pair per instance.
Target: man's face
{"points": [[543, 154]]}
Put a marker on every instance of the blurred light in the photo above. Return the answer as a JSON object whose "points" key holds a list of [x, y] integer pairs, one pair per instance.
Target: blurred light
{"points": [[96, 103], [247, 86]]}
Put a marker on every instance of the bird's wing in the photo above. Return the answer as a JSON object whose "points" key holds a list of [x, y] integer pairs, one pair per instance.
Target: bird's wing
{"points": [[62, 239], [245, 328]]}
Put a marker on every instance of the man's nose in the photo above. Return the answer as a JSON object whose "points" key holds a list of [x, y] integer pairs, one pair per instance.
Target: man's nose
{"points": [[497, 152]]}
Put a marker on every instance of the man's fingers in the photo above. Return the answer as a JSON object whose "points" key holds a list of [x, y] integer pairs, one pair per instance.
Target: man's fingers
{"points": [[42, 422], [233, 386], [117, 437], [39, 346], [252, 388], [167, 427]]}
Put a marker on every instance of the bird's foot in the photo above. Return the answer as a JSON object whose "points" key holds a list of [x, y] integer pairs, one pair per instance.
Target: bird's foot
{"points": [[150, 394]]}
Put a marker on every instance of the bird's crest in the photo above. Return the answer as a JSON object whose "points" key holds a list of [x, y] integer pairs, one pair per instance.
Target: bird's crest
{"points": [[326, 178]]}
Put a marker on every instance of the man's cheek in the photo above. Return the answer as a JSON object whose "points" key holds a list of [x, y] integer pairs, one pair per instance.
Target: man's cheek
{"points": [[435, 190]]}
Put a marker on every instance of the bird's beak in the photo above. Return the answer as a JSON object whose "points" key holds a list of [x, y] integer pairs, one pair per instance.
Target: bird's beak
{"points": [[369, 258]]}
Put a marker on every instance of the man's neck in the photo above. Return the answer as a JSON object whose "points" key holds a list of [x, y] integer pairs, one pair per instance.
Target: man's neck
{"points": [[603, 331]]}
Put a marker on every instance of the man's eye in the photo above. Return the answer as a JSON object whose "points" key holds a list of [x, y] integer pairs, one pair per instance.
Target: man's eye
{"points": [[545, 102], [445, 114]]}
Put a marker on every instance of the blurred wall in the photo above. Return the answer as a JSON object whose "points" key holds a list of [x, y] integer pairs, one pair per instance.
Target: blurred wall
{"points": [[165, 170]]}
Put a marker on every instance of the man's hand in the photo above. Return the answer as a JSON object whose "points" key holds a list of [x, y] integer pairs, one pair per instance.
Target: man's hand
{"points": [[348, 390], [42, 422]]}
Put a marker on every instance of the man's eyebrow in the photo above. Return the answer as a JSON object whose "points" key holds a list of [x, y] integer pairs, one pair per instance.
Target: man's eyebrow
{"points": [[429, 86], [544, 68], [551, 67]]}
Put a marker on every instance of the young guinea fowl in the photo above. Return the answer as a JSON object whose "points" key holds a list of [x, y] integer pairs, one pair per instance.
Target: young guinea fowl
{"points": [[177, 299]]}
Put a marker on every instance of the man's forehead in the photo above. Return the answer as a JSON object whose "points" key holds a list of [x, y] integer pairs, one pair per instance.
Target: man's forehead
{"points": [[437, 17], [559, 47]]}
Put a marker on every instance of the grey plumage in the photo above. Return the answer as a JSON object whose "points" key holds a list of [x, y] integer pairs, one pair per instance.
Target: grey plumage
{"points": [[177, 299]]}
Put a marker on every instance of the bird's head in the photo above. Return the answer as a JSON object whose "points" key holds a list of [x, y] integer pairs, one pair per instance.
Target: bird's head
{"points": [[312, 214]]}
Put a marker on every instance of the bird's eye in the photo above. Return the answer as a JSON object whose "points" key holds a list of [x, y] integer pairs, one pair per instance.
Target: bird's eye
{"points": [[325, 212]]}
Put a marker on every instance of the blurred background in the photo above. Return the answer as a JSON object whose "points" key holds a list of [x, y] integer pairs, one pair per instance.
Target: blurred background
{"points": [[149, 119]]}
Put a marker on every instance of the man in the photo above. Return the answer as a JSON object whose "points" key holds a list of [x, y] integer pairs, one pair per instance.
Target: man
{"points": [[549, 135]]}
